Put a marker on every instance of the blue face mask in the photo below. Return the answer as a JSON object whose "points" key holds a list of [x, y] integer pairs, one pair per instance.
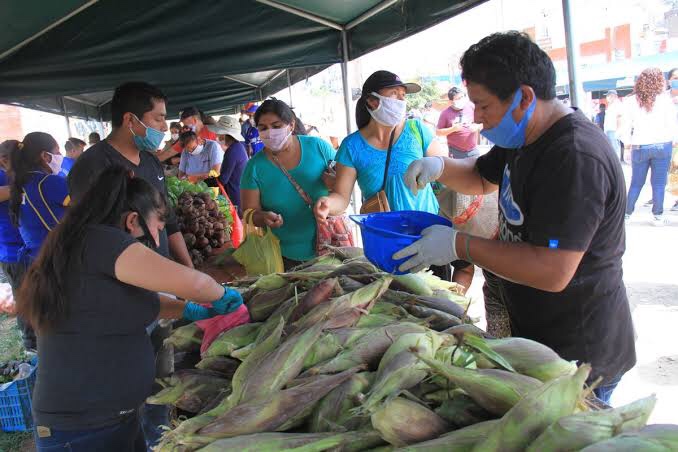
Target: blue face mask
{"points": [[507, 134], [151, 142], [674, 84]]}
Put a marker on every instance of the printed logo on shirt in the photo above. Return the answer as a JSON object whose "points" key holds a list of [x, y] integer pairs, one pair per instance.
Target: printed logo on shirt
{"points": [[161, 177], [508, 206]]}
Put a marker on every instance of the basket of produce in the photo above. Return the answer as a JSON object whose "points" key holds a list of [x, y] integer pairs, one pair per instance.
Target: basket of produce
{"points": [[341, 356], [17, 379], [204, 218]]}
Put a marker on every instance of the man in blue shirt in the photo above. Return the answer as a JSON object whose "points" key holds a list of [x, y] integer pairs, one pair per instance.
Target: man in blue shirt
{"points": [[74, 148], [201, 158], [248, 130]]}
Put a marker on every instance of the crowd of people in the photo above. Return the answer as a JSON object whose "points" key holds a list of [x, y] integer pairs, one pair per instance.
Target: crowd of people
{"points": [[87, 240]]}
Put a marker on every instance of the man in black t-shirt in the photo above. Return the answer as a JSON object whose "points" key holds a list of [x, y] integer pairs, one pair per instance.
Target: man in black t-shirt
{"points": [[561, 210], [138, 119]]}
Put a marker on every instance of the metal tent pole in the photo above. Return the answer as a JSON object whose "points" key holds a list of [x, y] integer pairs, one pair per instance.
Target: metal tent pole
{"points": [[65, 113], [289, 86], [572, 47], [344, 82]]}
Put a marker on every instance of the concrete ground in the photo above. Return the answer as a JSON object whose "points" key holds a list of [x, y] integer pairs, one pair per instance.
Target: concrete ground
{"points": [[650, 274]]}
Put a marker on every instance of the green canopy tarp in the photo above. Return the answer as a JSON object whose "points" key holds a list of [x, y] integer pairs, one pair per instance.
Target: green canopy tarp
{"points": [[215, 54]]}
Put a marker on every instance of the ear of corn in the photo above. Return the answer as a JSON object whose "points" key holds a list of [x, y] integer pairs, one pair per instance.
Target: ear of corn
{"points": [[583, 429], [222, 364], [190, 390], [186, 338], [345, 310], [462, 440], [401, 422], [319, 293], [652, 438], [412, 283], [334, 412], [269, 282], [494, 390], [249, 366], [233, 339], [523, 423], [368, 349], [284, 311], [460, 410], [297, 442], [400, 368], [281, 365], [269, 412], [525, 356], [265, 302]]}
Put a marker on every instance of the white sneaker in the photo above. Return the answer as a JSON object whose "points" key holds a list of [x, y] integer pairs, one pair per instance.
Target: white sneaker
{"points": [[659, 220]]}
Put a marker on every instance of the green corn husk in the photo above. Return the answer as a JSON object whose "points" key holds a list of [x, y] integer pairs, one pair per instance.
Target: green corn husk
{"points": [[412, 283], [268, 412], [400, 368], [359, 266], [438, 320], [652, 438], [347, 309], [401, 422], [186, 338], [526, 357], [331, 343], [349, 284], [497, 391], [461, 411], [583, 429], [376, 320], [250, 366], [190, 390], [243, 352], [523, 423], [269, 282], [458, 356], [264, 303], [368, 349], [233, 339], [281, 365], [284, 312], [297, 442], [319, 293], [222, 364], [334, 412], [462, 440], [440, 304]]}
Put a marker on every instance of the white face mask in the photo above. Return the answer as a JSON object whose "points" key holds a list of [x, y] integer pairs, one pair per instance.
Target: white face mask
{"points": [[175, 136], [55, 163], [275, 139], [198, 149], [460, 103], [389, 112]]}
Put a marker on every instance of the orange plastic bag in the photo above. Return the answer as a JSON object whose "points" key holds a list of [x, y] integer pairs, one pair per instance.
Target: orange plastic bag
{"points": [[237, 230]]}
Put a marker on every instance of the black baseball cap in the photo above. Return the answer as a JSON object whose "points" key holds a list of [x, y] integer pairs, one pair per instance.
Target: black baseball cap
{"points": [[189, 111], [385, 79]]}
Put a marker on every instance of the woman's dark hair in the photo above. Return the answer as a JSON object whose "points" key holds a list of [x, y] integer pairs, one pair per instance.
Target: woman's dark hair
{"points": [[43, 297], [207, 119], [26, 157], [187, 137], [453, 92], [362, 114], [670, 73], [134, 97], [175, 125], [502, 62], [8, 147], [277, 107], [299, 127]]}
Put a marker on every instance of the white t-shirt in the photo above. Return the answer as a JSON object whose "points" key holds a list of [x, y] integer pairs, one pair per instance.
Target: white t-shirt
{"points": [[649, 127], [614, 110]]}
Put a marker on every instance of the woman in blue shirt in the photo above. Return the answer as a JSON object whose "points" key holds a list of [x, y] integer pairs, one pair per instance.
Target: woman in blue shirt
{"points": [[266, 190], [10, 239], [362, 156], [38, 195]]}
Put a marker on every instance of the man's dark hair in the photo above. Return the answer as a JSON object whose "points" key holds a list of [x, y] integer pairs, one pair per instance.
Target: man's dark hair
{"points": [[187, 137], [502, 62], [134, 97], [602, 107], [95, 136], [453, 92], [76, 141]]}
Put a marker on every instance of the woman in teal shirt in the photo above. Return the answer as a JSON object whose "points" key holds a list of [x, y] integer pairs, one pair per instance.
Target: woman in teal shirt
{"points": [[265, 189], [362, 156]]}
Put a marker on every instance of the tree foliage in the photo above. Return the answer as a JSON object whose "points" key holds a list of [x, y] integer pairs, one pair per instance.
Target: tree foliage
{"points": [[429, 91]]}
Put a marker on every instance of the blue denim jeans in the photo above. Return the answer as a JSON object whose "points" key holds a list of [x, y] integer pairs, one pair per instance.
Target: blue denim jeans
{"points": [[605, 392], [649, 156], [459, 154], [125, 436]]}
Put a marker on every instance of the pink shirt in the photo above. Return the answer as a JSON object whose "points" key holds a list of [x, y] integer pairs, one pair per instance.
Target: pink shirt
{"points": [[466, 140]]}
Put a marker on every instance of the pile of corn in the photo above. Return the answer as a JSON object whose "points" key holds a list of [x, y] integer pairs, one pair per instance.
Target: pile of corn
{"points": [[342, 357]]}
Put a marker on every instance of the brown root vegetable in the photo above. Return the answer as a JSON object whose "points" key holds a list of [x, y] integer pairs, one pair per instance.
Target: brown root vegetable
{"points": [[202, 241], [189, 239], [207, 251]]}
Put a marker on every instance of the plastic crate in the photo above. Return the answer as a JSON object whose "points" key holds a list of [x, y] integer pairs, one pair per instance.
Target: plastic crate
{"points": [[15, 404]]}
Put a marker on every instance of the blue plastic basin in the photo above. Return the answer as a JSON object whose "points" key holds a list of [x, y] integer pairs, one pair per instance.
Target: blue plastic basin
{"points": [[386, 233]]}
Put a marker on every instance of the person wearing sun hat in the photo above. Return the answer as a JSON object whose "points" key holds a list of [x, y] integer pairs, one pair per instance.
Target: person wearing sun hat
{"points": [[380, 116], [235, 156]]}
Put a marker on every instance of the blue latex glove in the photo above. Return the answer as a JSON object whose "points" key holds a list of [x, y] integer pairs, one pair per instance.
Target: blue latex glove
{"points": [[193, 312], [229, 302]]}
